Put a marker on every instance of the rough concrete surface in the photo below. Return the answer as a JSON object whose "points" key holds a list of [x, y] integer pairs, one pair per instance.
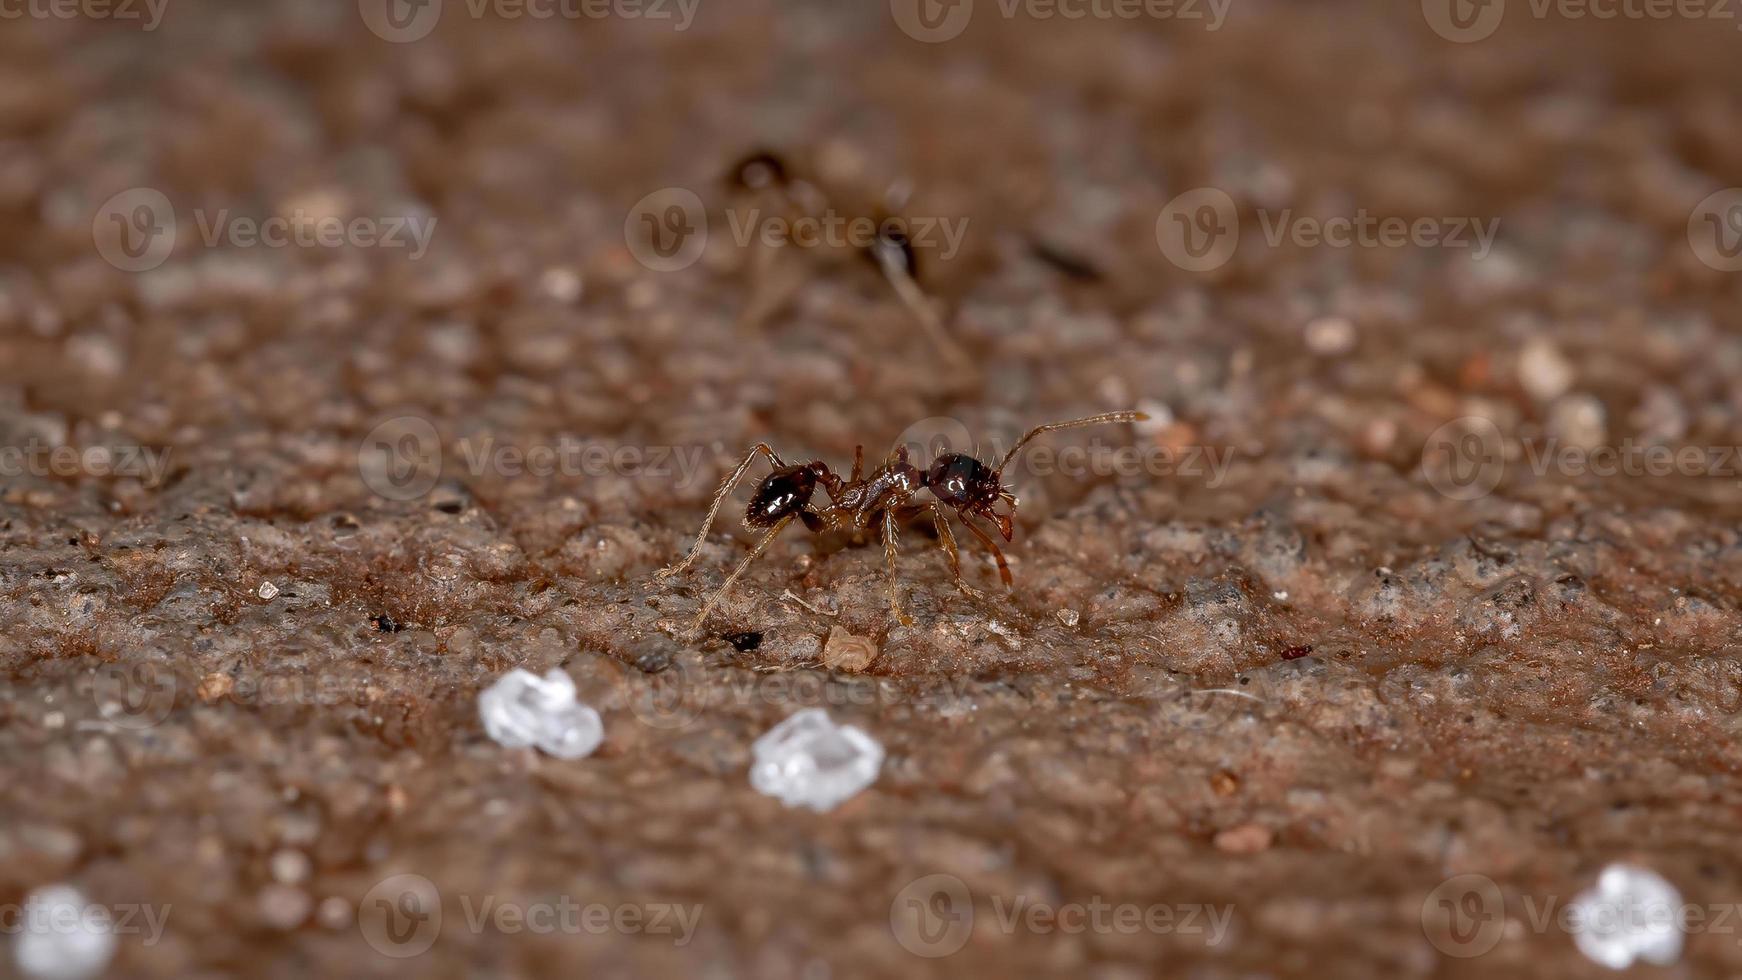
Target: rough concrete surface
{"points": [[1300, 656]]}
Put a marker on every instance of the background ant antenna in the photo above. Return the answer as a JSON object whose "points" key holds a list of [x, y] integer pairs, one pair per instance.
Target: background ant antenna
{"points": [[1074, 423]]}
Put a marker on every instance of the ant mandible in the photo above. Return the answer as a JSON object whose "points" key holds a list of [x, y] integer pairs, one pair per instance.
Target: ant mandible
{"points": [[861, 503]]}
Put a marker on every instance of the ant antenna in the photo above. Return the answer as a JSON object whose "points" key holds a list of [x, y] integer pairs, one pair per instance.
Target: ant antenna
{"points": [[1074, 423]]}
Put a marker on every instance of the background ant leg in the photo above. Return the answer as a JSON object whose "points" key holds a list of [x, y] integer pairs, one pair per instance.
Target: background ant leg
{"points": [[920, 305], [894, 580], [755, 552], [720, 498], [858, 464], [986, 539], [947, 541]]}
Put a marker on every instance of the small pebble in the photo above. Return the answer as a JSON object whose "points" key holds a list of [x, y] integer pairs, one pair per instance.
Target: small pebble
{"points": [[1069, 617], [848, 652], [1248, 838], [215, 686], [1543, 371], [808, 760], [522, 709], [290, 867], [1579, 420], [1330, 336], [1631, 914], [62, 936], [561, 284], [283, 907], [267, 591], [334, 913]]}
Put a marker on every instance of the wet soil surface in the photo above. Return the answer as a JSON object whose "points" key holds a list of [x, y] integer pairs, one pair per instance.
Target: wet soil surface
{"points": [[1279, 663]]}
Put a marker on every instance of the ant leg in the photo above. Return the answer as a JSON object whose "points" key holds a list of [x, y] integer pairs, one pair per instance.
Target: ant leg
{"points": [[986, 539], [858, 463], [947, 541], [894, 581], [920, 305], [755, 552], [720, 498]]}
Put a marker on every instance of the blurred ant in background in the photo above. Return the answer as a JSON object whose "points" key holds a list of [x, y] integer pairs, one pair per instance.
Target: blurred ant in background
{"points": [[773, 185], [862, 503]]}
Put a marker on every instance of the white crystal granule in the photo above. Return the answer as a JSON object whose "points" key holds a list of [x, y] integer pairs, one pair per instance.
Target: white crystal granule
{"points": [[808, 760], [523, 709], [1631, 914], [62, 936]]}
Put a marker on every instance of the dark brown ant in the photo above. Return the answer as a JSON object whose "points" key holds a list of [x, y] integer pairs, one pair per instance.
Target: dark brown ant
{"points": [[769, 177], [865, 503]]}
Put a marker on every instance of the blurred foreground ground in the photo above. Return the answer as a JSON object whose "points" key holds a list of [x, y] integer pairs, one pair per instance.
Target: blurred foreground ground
{"points": [[241, 671]]}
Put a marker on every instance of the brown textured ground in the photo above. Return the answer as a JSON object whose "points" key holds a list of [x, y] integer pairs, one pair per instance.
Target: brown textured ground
{"points": [[1525, 686]]}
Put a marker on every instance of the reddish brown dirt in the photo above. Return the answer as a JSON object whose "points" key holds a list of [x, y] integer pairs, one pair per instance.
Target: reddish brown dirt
{"points": [[1523, 686]]}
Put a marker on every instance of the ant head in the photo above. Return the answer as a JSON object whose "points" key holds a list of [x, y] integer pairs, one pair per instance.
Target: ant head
{"points": [[969, 485], [783, 493], [759, 171]]}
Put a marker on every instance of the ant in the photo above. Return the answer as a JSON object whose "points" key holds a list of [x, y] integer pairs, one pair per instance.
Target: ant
{"points": [[769, 179], [861, 503]]}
